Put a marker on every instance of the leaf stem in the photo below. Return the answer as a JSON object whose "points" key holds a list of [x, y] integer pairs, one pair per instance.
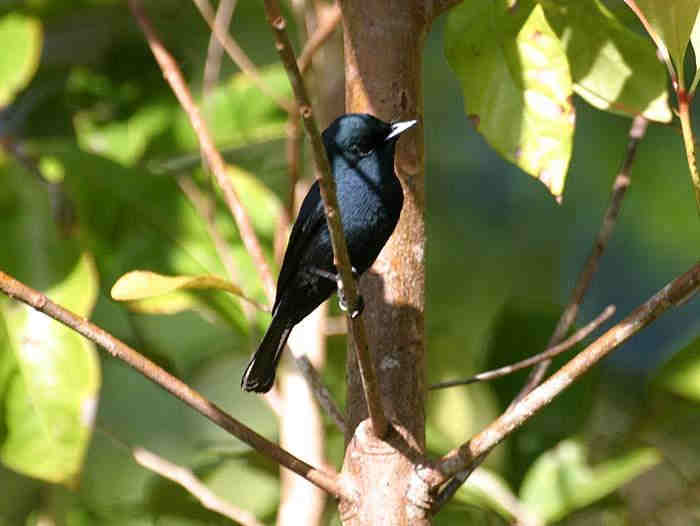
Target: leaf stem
{"points": [[689, 141]]}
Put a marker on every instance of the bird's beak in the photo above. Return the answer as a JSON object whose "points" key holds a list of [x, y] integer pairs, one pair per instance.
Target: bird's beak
{"points": [[398, 128]]}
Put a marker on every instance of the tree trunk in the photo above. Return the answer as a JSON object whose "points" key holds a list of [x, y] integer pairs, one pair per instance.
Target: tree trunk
{"points": [[383, 63]]}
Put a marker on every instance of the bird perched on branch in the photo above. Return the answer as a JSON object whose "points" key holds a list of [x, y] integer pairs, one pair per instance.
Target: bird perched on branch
{"points": [[360, 150]]}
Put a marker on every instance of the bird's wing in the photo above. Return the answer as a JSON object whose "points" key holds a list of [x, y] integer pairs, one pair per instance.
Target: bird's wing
{"points": [[311, 217]]}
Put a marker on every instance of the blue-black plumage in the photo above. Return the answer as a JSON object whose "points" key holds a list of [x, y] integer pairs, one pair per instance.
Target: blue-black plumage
{"points": [[360, 150]]}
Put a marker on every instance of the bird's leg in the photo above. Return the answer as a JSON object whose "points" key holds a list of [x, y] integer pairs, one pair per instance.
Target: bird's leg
{"points": [[323, 273], [341, 296]]}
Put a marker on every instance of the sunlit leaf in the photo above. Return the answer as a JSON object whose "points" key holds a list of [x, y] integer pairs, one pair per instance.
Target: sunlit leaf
{"points": [[562, 481], [613, 68], [140, 284], [681, 374], [51, 396], [516, 83], [20, 41]]}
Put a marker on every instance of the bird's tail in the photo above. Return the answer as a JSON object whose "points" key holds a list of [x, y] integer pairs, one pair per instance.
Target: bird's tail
{"points": [[260, 373]]}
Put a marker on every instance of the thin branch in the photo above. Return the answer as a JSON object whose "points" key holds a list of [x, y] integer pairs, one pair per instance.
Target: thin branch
{"points": [[676, 293], [174, 77], [239, 57], [205, 208], [620, 185], [619, 188], [35, 299], [380, 424], [328, 24], [212, 66], [323, 396], [189, 481], [537, 358]]}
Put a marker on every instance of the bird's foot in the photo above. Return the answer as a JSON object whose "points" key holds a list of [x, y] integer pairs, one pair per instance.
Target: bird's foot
{"points": [[343, 304]]}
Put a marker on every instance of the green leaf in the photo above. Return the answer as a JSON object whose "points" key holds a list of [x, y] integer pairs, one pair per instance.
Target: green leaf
{"points": [[561, 481], [695, 41], [672, 23], [681, 374], [516, 84], [20, 41], [141, 284], [237, 113], [613, 68], [485, 488], [122, 141], [51, 396]]}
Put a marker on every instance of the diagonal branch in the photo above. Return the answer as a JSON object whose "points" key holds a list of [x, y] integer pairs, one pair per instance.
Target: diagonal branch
{"points": [[327, 185], [548, 354], [174, 77], [35, 299], [327, 26], [172, 74], [466, 456], [189, 481], [620, 185], [239, 57]]}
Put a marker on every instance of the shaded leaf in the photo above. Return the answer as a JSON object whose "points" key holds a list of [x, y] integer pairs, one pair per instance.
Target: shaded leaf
{"points": [[485, 488], [561, 481], [672, 23], [237, 113], [613, 68], [695, 41], [123, 141], [681, 374], [516, 84], [20, 41]]}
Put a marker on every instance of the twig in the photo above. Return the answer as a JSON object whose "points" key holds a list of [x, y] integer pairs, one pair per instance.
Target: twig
{"points": [[212, 66], [172, 74], [35, 299], [205, 208], [537, 358], [620, 185], [323, 396], [239, 56], [619, 188], [679, 291], [327, 186], [328, 24], [189, 481]]}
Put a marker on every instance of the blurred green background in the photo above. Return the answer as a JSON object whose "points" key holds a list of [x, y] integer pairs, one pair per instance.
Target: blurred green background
{"points": [[502, 257]]}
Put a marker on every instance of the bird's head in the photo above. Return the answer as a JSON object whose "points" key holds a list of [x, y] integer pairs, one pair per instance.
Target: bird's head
{"points": [[355, 136]]}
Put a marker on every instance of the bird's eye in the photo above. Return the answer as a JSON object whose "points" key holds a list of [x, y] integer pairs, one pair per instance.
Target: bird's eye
{"points": [[360, 150]]}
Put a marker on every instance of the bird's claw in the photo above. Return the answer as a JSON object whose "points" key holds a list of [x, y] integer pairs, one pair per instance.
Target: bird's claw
{"points": [[342, 303]]}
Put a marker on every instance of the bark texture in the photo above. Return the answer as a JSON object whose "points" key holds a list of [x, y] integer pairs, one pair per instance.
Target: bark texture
{"points": [[383, 42]]}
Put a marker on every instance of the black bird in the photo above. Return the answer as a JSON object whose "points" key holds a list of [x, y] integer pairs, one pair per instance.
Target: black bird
{"points": [[360, 149]]}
